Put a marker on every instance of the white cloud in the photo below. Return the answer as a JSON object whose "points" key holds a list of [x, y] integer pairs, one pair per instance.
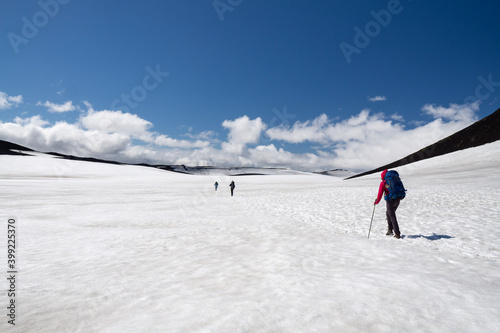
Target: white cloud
{"points": [[7, 102], [456, 112], [63, 138], [133, 126], [324, 131], [377, 99], [163, 140], [117, 122], [242, 131], [397, 117], [35, 120], [205, 135], [312, 131], [366, 141], [58, 108], [102, 134], [270, 156]]}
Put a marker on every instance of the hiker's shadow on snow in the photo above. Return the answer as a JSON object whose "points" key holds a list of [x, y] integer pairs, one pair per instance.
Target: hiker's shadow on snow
{"points": [[431, 238]]}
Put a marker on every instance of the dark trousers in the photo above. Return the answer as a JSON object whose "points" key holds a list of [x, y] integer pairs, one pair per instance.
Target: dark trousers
{"points": [[392, 221], [232, 189]]}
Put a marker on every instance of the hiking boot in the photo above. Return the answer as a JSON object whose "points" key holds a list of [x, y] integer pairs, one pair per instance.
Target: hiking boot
{"points": [[389, 232], [397, 236]]}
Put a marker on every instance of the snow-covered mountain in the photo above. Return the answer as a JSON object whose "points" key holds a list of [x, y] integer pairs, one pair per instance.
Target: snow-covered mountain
{"points": [[117, 248]]}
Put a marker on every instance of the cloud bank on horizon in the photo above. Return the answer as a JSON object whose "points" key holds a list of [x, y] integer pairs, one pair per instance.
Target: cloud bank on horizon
{"points": [[363, 141]]}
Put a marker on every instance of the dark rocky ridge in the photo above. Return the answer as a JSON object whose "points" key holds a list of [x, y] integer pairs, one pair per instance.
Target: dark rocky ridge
{"points": [[9, 148]]}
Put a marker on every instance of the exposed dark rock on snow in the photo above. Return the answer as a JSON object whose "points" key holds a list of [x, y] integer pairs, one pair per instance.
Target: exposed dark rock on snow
{"points": [[481, 132], [86, 159], [9, 148], [335, 172]]}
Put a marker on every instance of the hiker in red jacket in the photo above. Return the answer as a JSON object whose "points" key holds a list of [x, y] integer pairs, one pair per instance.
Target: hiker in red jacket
{"points": [[392, 205]]}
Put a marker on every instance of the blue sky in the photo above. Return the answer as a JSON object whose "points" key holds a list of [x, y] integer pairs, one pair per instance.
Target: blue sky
{"points": [[309, 85]]}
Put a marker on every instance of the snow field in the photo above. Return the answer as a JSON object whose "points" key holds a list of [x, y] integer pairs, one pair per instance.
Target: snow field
{"points": [[106, 248]]}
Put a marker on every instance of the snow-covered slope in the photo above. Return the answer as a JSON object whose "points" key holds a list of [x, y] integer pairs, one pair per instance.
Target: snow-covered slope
{"points": [[110, 248]]}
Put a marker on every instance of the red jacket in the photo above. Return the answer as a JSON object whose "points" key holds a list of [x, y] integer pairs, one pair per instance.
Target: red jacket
{"points": [[381, 189]]}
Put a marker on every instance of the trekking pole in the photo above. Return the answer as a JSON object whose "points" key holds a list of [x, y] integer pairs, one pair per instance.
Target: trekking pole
{"points": [[371, 222]]}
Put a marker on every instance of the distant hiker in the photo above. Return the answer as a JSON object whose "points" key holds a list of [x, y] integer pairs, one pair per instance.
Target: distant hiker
{"points": [[216, 185], [394, 191], [232, 186]]}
